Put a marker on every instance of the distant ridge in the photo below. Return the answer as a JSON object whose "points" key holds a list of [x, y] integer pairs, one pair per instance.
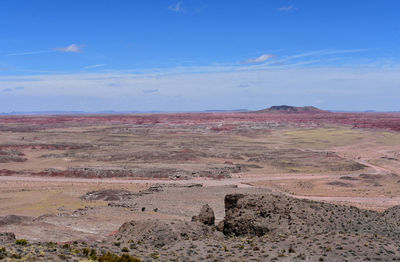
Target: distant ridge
{"points": [[292, 109]]}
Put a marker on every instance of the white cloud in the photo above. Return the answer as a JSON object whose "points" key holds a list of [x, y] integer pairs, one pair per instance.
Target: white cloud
{"points": [[94, 66], [73, 48], [306, 77], [260, 59], [177, 7], [287, 8], [206, 88]]}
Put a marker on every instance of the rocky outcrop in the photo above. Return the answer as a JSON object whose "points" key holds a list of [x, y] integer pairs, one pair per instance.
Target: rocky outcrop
{"points": [[13, 219], [392, 215], [6, 237], [108, 195], [206, 216], [261, 214]]}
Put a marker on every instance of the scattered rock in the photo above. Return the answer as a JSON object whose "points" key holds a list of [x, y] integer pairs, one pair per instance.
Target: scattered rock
{"points": [[370, 176], [348, 178], [160, 187], [159, 233], [339, 183]]}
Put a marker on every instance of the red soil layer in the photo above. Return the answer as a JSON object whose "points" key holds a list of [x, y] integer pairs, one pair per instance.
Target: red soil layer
{"points": [[42, 147], [389, 121]]}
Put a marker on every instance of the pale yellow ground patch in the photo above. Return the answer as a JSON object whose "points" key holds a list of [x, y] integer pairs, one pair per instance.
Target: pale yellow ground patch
{"points": [[323, 138], [39, 198]]}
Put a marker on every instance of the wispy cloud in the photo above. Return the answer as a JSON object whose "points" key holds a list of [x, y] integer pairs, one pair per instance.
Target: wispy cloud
{"points": [[176, 7], [149, 91], [210, 89], [329, 52], [298, 78], [32, 52], [94, 66], [73, 48], [287, 8], [8, 89], [243, 86], [260, 59]]}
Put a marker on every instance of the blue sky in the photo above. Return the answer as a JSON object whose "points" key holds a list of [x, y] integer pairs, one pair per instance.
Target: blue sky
{"points": [[198, 55]]}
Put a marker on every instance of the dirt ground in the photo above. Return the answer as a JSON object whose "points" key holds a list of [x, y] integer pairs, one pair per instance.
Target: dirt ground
{"points": [[46, 169]]}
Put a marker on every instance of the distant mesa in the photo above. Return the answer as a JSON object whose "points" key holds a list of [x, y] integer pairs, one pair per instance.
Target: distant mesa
{"points": [[292, 109]]}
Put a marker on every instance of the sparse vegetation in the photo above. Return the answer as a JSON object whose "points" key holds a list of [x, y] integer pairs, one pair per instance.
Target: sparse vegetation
{"points": [[21, 242], [109, 257]]}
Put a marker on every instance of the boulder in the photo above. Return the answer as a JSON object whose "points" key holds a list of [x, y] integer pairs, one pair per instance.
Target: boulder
{"points": [[206, 216]]}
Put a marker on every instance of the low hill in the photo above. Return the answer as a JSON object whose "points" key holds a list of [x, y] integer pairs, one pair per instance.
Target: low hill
{"points": [[291, 109]]}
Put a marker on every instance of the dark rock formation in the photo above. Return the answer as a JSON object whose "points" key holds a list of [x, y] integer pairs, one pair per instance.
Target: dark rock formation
{"points": [[261, 214], [13, 219], [292, 109], [6, 237], [392, 215], [206, 216], [108, 195]]}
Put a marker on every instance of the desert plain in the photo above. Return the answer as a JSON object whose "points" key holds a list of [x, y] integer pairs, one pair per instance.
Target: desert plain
{"points": [[283, 184]]}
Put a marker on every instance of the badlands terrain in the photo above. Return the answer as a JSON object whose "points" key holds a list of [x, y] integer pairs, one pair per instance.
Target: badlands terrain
{"points": [[280, 184]]}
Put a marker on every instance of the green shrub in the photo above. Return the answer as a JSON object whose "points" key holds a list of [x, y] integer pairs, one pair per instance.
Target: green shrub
{"points": [[16, 256], [62, 256], [85, 251], [93, 254], [51, 244], [22, 242], [3, 253]]}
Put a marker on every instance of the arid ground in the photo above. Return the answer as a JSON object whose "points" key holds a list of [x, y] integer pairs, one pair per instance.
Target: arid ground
{"points": [[79, 178]]}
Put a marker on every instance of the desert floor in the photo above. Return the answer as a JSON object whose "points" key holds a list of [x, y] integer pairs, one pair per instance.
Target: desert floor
{"points": [[47, 163]]}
